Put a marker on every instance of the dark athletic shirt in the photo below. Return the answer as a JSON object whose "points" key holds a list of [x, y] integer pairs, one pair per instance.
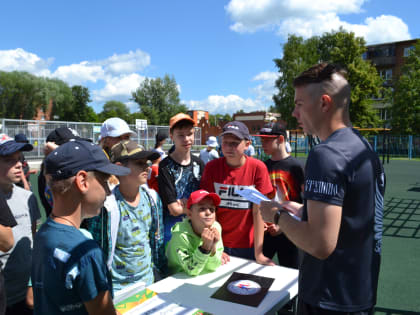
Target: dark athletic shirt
{"points": [[345, 171]]}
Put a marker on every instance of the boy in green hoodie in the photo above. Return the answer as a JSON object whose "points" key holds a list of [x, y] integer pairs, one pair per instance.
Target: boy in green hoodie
{"points": [[196, 246]]}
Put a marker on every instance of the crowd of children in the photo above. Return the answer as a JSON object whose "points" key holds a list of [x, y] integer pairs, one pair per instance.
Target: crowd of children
{"points": [[108, 229]]}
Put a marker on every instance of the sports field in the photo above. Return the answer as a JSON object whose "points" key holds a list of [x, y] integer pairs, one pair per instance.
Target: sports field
{"points": [[399, 283]]}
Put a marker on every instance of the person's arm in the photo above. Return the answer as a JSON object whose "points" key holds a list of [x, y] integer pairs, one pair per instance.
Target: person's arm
{"points": [[180, 252], [6, 238], [101, 305], [259, 237], [25, 182], [177, 208], [318, 236]]}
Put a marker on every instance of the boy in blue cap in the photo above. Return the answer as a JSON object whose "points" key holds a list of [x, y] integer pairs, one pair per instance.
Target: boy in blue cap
{"points": [[69, 272], [24, 207]]}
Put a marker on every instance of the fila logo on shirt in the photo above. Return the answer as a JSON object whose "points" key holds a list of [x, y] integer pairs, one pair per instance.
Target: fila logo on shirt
{"points": [[230, 199]]}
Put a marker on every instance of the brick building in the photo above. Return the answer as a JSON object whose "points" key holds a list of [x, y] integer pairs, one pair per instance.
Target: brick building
{"points": [[255, 120], [388, 58]]}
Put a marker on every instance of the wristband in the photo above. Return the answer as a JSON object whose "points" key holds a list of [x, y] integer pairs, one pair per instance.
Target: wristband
{"points": [[277, 215], [204, 251]]}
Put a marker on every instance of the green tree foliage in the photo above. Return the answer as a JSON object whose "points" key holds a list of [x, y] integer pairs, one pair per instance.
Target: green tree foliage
{"points": [[215, 119], [22, 93], [81, 111], [115, 109], [158, 100], [340, 47], [405, 110]]}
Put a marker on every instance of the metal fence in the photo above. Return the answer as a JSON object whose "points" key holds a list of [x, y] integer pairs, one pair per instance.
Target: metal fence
{"points": [[404, 146], [37, 131]]}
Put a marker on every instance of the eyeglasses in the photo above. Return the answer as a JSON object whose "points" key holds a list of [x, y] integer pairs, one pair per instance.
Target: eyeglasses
{"points": [[142, 164], [232, 144]]}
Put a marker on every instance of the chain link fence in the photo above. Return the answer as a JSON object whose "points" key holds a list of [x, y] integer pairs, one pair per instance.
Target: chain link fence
{"points": [[394, 146], [37, 131]]}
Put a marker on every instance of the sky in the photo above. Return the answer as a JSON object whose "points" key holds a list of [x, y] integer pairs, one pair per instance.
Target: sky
{"points": [[219, 52]]}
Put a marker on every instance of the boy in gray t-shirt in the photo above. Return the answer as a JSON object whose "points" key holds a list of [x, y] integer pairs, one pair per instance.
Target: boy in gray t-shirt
{"points": [[17, 261]]}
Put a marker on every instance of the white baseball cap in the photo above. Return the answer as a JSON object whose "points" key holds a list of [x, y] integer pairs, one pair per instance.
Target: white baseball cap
{"points": [[115, 127]]}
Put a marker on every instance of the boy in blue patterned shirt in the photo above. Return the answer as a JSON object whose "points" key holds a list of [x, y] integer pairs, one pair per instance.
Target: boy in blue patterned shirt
{"points": [[139, 243]]}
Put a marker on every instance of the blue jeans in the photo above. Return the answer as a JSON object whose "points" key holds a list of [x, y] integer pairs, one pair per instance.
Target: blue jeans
{"points": [[247, 253]]}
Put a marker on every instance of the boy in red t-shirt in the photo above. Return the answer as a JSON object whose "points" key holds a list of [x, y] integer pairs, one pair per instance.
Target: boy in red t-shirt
{"points": [[242, 225]]}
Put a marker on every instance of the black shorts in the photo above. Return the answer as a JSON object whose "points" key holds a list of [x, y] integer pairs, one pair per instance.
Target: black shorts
{"points": [[306, 309]]}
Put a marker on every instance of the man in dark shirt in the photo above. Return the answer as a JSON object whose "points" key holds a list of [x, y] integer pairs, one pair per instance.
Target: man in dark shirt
{"points": [[341, 227]]}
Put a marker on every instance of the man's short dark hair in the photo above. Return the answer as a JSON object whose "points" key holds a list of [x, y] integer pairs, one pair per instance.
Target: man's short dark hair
{"points": [[331, 79], [319, 73]]}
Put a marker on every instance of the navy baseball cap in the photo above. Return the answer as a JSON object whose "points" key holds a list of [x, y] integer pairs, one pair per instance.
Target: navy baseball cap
{"points": [[9, 146], [272, 130], [236, 128], [77, 155], [20, 137]]}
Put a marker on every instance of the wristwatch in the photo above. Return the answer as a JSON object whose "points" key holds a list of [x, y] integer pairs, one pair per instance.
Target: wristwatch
{"points": [[204, 251], [277, 215]]}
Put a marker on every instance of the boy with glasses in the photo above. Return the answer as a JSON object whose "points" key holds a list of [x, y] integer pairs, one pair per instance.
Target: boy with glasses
{"points": [[242, 225], [69, 272], [196, 246], [138, 247]]}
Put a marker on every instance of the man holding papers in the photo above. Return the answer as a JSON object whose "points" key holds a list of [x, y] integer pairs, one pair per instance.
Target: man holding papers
{"points": [[341, 227]]}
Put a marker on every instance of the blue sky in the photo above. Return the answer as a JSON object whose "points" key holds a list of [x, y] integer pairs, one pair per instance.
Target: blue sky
{"points": [[220, 52]]}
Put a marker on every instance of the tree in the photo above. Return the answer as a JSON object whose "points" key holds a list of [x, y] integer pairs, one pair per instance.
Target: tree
{"points": [[158, 99], [21, 93], [405, 110], [80, 110], [215, 119], [338, 47], [115, 109]]}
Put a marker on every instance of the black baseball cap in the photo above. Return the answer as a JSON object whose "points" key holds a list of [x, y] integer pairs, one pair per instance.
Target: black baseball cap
{"points": [[236, 128], [272, 130], [62, 135], [76, 155], [9, 146]]}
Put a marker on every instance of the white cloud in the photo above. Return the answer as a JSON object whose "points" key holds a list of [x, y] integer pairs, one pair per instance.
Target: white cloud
{"points": [[114, 66], [118, 73], [307, 18], [219, 104], [21, 60], [230, 104], [118, 88], [134, 61], [79, 73], [266, 89]]}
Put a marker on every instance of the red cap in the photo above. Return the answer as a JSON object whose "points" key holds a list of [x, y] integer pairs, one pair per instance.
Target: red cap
{"points": [[199, 195]]}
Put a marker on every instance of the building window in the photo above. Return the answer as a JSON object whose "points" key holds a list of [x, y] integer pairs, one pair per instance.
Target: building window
{"points": [[364, 55], [407, 51], [386, 74]]}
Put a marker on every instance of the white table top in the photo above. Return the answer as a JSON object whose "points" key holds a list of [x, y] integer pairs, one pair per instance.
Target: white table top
{"points": [[197, 291]]}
